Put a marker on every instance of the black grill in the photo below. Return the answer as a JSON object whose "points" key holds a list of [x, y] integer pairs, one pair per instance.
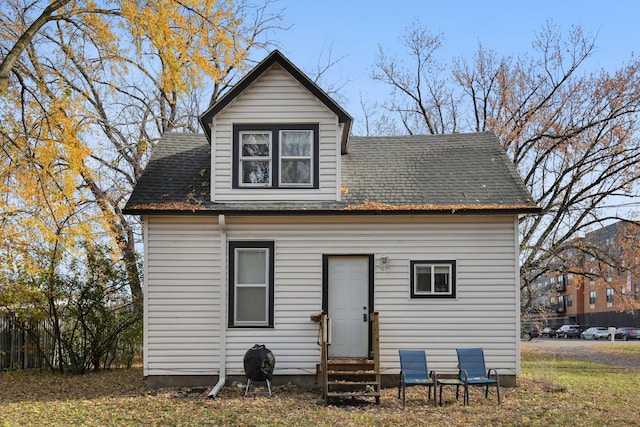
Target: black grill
{"points": [[259, 362]]}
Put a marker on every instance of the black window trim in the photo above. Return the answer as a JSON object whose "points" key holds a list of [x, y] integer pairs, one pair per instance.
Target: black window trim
{"points": [[451, 263], [239, 244], [275, 154]]}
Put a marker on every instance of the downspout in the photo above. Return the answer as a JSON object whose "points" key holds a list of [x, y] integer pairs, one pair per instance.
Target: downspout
{"points": [[223, 307]]}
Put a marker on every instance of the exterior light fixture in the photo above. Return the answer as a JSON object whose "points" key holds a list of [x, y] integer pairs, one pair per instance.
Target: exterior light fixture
{"points": [[384, 262]]}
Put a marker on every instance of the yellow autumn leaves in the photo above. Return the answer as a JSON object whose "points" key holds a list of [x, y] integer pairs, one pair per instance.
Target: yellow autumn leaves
{"points": [[90, 89], [188, 36]]}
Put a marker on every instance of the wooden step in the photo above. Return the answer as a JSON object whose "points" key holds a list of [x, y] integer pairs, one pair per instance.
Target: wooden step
{"points": [[348, 363], [352, 383], [351, 378], [353, 373], [362, 393]]}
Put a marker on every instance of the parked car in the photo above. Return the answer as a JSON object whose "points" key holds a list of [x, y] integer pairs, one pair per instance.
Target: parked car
{"points": [[531, 330], [595, 333], [626, 333], [568, 331], [549, 331]]}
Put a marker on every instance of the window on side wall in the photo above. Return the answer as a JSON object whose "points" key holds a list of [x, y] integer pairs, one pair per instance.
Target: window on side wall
{"points": [[610, 293], [275, 156], [433, 279], [251, 284], [592, 299]]}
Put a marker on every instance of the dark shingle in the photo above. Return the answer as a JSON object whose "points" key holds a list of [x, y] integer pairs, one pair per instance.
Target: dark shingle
{"points": [[456, 169], [426, 172], [178, 171]]}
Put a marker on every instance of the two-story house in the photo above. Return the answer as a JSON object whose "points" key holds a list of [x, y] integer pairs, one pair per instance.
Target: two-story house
{"points": [[276, 213]]}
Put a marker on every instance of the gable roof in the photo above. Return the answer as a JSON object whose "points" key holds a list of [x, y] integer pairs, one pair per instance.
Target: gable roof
{"points": [[457, 173], [276, 57]]}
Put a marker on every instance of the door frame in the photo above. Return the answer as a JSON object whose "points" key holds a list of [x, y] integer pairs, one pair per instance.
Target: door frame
{"points": [[370, 302]]}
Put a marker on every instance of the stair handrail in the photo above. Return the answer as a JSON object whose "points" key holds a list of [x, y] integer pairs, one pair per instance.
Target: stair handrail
{"points": [[324, 350], [375, 332]]}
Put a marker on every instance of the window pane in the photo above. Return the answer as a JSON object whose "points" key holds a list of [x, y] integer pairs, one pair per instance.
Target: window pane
{"points": [[296, 143], [441, 277], [251, 304], [252, 267], [423, 279], [296, 172], [433, 279], [255, 144], [256, 172]]}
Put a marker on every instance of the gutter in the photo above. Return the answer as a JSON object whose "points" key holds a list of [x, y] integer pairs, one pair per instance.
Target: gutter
{"points": [[222, 374], [533, 210]]}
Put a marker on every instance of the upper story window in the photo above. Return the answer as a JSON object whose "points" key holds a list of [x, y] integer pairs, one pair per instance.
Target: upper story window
{"points": [[433, 279], [275, 156], [610, 293]]}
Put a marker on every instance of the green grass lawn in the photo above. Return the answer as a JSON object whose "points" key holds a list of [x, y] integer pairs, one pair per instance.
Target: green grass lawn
{"points": [[550, 392]]}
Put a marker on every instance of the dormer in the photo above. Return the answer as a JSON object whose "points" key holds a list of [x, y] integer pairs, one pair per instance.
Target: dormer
{"points": [[276, 136]]}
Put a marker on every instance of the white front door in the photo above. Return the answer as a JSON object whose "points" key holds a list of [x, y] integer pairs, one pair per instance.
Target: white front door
{"points": [[348, 305]]}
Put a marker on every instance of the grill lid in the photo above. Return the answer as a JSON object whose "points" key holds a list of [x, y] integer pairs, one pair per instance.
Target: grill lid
{"points": [[259, 362]]}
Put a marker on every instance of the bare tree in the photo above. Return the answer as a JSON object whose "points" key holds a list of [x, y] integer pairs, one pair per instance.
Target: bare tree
{"points": [[573, 136], [422, 97]]}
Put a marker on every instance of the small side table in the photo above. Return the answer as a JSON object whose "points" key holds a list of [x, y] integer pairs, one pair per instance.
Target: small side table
{"points": [[451, 381]]}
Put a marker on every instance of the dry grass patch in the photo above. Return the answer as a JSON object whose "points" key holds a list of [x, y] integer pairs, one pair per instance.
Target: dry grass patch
{"points": [[593, 395], [629, 348]]}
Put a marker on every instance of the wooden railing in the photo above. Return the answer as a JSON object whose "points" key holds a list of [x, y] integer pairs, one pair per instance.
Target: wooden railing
{"points": [[344, 377], [375, 338], [324, 343]]}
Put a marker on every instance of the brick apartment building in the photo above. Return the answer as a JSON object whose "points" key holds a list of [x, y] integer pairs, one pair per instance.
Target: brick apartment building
{"points": [[600, 286]]}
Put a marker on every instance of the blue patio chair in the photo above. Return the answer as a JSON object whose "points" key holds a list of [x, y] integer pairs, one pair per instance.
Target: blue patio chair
{"points": [[474, 373], [413, 372]]}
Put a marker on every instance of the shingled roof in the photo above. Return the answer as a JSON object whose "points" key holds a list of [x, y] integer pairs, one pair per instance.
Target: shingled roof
{"points": [[456, 173]]}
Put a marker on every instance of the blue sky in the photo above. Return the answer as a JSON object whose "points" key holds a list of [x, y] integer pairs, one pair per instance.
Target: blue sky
{"points": [[353, 29]]}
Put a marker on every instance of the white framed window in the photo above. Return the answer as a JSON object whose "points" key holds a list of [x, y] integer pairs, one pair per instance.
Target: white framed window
{"points": [[255, 158], [610, 293], [251, 285], [433, 279], [276, 156], [296, 158]]}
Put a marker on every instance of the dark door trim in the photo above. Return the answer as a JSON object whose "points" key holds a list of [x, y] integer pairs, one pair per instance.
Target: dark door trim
{"points": [[325, 285]]}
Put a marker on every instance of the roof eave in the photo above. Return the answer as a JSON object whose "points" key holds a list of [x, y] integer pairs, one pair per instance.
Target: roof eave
{"points": [[198, 210], [206, 118]]}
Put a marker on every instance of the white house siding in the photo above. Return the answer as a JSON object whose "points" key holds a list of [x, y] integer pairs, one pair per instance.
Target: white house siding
{"points": [[275, 97], [182, 294]]}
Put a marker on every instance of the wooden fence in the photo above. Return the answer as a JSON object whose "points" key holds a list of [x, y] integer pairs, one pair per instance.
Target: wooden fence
{"points": [[22, 345]]}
